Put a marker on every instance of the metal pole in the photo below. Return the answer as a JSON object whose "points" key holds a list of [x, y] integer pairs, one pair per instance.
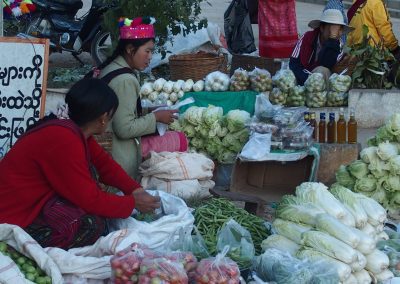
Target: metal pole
{"points": [[1, 17]]}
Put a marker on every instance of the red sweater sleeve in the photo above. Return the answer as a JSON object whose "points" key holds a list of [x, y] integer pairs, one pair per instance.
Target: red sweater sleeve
{"points": [[110, 172], [66, 170]]}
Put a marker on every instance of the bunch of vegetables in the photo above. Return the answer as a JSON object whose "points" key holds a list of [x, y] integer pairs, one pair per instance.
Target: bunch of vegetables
{"points": [[240, 80], [211, 217], [284, 79], [277, 96], [162, 271], [339, 85], [220, 137], [261, 80], [161, 91], [187, 259], [218, 270], [390, 131], [27, 266], [217, 82], [376, 175], [339, 227], [296, 96], [315, 90]]}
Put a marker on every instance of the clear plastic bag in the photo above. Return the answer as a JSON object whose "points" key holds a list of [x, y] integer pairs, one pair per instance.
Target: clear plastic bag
{"points": [[240, 80], [281, 267], [189, 241], [217, 270], [163, 271], [125, 264], [277, 96], [392, 249], [315, 83], [187, 259], [335, 99], [284, 79], [261, 80], [241, 247], [264, 110], [262, 127], [296, 96], [258, 146], [316, 99], [339, 83], [289, 117]]}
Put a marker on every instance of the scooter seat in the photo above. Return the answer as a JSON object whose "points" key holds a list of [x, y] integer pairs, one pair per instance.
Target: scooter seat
{"points": [[69, 6]]}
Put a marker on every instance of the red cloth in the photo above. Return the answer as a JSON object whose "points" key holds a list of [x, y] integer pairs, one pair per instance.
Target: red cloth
{"points": [[53, 161], [277, 28], [171, 141]]}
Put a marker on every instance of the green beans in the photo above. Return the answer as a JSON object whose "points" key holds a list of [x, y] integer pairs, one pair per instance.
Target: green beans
{"points": [[210, 217]]}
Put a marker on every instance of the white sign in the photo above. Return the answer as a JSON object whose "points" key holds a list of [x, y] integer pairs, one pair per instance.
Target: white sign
{"points": [[23, 79]]}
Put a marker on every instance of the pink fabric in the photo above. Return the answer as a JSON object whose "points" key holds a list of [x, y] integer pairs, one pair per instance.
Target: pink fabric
{"points": [[171, 141], [277, 28]]}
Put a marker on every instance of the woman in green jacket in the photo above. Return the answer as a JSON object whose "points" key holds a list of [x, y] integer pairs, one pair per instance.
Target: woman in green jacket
{"points": [[133, 53]]}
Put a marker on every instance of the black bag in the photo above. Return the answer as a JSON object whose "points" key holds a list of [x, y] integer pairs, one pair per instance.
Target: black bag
{"points": [[253, 11], [237, 26]]}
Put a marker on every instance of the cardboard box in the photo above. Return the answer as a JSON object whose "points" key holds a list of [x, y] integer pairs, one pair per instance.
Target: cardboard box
{"points": [[270, 180]]}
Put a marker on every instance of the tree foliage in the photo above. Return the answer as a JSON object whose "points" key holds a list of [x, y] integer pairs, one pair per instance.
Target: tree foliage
{"points": [[176, 15]]}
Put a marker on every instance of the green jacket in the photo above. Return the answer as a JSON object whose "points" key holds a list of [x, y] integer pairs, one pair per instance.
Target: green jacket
{"points": [[126, 126]]}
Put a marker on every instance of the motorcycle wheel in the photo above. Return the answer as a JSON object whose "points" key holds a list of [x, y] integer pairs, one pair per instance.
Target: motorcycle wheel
{"points": [[101, 47]]}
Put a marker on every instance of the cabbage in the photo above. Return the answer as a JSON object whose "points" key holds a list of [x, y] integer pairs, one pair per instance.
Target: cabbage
{"points": [[330, 246], [366, 244], [394, 165], [189, 130], [376, 213], [318, 194], [393, 203], [175, 125], [290, 230], [326, 223], [358, 169], [227, 157], [343, 270], [386, 151], [379, 168], [383, 134], [362, 277], [212, 114], [377, 261], [366, 184], [281, 243], [389, 183], [379, 194], [393, 125], [360, 263], [351, 280], [194, 115], [197, 143], [351, 203], [237, 119], [369, 154], [344, 178]]}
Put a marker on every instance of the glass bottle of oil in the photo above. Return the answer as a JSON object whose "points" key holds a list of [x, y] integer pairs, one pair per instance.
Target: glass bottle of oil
{"points": [[313, 123], [352, 128], [331, 128], [322, 128], [341, 128]]}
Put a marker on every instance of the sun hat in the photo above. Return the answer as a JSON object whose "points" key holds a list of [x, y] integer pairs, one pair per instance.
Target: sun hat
{"points": [[137, 28], [330, 16]]}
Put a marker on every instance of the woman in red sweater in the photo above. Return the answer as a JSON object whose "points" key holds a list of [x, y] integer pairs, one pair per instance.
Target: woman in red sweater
{"points": [[48, 182]]}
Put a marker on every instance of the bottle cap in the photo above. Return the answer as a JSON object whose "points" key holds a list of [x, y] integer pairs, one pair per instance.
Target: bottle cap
{"points": [[331, 116], [322, 116]]}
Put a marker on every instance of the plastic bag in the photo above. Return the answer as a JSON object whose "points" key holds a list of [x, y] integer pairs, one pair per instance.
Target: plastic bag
{"points": [[284, 79], [277, 96], [315, 83], [241, 247], [217, 82], [336, 99], [125, 264], [296, 96], [264, 110], [261, 80], [258, 146], [281, 267], [162, 127], [392, 249], [189, 241], [339, 83], [239, 80], [262, 127], [162, 270], [316, 99], [289, 117], [187, 259], [217, 270], [237, 27]]}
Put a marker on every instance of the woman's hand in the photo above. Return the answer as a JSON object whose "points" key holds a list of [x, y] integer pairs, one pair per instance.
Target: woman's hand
{"points": [[165, 116], [144, 202]]}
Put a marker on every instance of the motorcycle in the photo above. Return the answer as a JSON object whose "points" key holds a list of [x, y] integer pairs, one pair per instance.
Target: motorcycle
{"points": [[57, 21]]}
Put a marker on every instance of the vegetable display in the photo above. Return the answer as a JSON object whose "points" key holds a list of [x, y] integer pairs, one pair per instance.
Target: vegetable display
{"points": [[220, 137], [284, 79], [339, 85], [376, 175], [277, 96], [339, 227], [296, 96], [161, 270], [210, 218], [261, 80], [217, 82], [27, 266]]}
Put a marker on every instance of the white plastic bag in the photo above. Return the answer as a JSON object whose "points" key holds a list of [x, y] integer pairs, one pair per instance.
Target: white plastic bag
{"points": [[156, 234], [257, 148]]}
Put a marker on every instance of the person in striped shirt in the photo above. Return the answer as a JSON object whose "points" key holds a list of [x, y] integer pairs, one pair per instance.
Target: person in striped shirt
{"points": [[320, 49]]}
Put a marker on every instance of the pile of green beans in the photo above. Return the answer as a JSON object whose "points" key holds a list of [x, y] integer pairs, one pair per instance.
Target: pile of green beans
{"points": [[210, 217]]}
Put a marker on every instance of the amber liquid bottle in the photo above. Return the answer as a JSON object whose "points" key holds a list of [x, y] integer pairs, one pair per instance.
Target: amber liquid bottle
{"points": [[331, 128], [322, 128], [352, 128], [313, 123], [341, 128]]}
